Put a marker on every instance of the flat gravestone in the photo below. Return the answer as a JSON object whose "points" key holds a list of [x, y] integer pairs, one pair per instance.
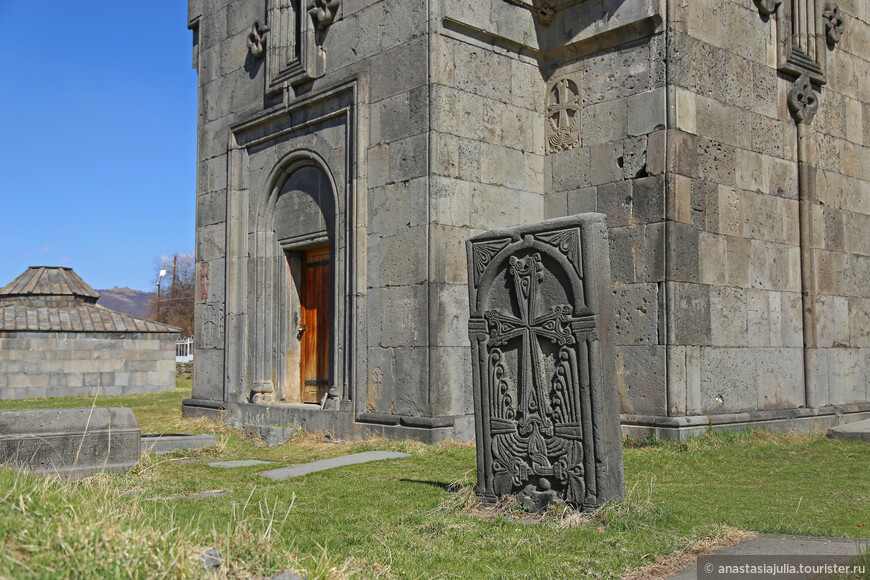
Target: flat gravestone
{"points": [[545, 399], [238, 463], [324, 464], [169, 442], [71, 443]]}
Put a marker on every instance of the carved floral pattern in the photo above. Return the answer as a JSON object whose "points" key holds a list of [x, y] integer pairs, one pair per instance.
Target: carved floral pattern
{"points": [[568, 242], [484, 252], [563, 115], [802, 100], [257, 40], [323, 12], [835, 24]]}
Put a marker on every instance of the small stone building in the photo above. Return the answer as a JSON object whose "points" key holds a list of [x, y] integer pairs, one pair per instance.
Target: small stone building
{"points": [[348, 148], [56, 342]]}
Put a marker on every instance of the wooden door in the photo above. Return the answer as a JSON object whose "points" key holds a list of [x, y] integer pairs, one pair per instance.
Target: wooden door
{"points": [[314, 325]]}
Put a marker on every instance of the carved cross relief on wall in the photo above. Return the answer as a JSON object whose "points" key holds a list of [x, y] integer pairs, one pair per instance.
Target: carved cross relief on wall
{"points": [[563, 114]]}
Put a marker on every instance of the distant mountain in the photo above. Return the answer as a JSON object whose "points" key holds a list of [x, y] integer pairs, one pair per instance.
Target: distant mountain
{"points": [[126, 300]]}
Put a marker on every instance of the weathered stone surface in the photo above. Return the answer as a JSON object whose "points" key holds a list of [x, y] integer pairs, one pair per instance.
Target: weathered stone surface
{"points": [[71, 443], [546, 405], [269, 434]]}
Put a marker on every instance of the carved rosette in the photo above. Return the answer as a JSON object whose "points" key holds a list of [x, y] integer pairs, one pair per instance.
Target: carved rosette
{"points": [[563, 115], [323, 12], [835, 24], [257, 40], [802, 100]]}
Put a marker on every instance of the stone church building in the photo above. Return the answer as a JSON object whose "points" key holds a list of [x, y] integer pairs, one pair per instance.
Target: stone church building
{"points": [[349, 148]]}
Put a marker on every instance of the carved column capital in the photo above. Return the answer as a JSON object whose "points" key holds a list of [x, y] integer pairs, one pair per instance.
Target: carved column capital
{"points": [[802, 100], [257, 40], [835, 24], [323, 12], [767, 7]]}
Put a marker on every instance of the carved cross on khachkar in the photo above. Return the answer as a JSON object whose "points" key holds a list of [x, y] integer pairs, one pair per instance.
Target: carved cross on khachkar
{"points": [[546, 407]]}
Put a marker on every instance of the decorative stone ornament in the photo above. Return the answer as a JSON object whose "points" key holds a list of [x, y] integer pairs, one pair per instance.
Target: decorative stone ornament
{"points": [[835, 24], [323, 12], [802, 100], [546, 405], [257, 40], [563, 115], [767, 7]]}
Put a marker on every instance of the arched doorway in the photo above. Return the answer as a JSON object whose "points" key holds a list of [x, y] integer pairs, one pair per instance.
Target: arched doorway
{"points": [[304, 229]]}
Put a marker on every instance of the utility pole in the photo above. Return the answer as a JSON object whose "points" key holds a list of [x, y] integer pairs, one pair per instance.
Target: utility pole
{"points": [[174, 268]]}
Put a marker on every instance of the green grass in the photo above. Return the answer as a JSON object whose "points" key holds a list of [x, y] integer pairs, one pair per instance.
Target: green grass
{"points": [[415, 517]]}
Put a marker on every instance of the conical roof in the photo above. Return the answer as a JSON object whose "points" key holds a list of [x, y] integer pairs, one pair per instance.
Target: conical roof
{"points": [[49, 281]]}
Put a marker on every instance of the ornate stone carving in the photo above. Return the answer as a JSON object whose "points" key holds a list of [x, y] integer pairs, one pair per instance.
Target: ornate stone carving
{"points": [[802, 100], [546, 409], [483, 254], [257, 40], [568, 242], [203, 281], [563, 115], [767, 7], [835, 25], [323, 12]]}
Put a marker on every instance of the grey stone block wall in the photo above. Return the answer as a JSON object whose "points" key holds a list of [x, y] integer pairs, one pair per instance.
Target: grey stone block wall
{"points": [[57, 364], [430, 122]]}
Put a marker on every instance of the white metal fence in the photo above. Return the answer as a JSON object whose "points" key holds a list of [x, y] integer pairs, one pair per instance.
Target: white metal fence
{"points": [[184, 350]]}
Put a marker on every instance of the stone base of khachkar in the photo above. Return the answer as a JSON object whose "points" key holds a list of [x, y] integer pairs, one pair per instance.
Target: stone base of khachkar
{"points": [[545, 399], [71, 443]]}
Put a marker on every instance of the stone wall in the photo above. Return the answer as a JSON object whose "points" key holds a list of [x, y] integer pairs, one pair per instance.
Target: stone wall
{"points": [[735, 319], [57, 364], [424, 123]]}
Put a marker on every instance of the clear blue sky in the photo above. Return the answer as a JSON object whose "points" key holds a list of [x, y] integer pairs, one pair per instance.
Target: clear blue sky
{"points": [[98, 148]]}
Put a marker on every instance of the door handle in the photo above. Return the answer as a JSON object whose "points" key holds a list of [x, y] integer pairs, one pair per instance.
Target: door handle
{"points": [[299, 330]]}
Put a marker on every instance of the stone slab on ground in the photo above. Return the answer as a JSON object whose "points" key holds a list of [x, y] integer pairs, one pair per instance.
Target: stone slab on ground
{"points": [[306, 468], [782, 545], [238, 463], [169, 442], [859, 430], [72, 443]]}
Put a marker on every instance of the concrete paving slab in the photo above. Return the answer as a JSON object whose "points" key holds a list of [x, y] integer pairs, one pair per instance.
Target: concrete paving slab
{"points": [[237, 463], [859, 430], [773, 548], [306, 468]]}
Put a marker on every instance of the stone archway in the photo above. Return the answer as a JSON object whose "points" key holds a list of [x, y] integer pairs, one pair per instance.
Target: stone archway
{"points": [[303, 224]]}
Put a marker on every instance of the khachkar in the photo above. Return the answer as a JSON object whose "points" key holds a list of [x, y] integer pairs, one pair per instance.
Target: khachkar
{"points": [[545, 400]]}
